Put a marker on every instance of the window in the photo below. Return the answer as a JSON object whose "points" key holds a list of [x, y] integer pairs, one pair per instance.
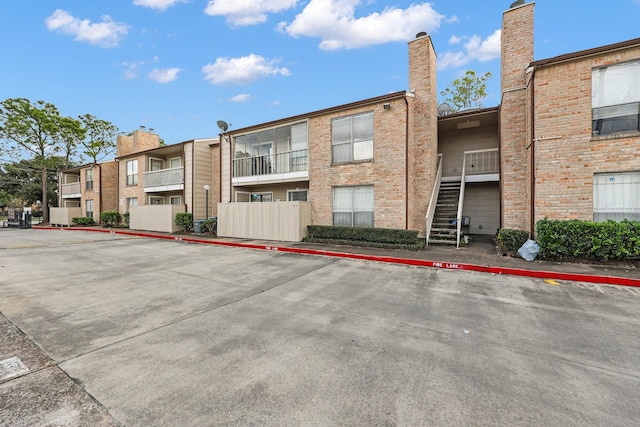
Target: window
{"points": [[175, 163], [89, 179], [156, 164], [616, 196], [88, 204], [131, 202], [352, 138], [261, 197], [297, 195], [353, 206], [615, 98], [279, 150], [176, 200], [155, 200], [132, 172]]}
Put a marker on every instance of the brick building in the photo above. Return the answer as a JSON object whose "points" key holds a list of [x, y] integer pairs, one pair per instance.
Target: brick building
{"points": [[564, 143]]}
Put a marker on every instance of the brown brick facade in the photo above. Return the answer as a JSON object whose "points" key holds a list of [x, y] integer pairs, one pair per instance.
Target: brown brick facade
{"points": [[567, 155]]}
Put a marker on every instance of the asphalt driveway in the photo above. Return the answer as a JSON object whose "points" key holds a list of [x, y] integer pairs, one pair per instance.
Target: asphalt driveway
{"points": [[169, 333]]}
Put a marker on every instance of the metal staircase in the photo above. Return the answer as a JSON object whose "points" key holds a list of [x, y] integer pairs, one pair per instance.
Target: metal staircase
{"points": [[444, 230]]}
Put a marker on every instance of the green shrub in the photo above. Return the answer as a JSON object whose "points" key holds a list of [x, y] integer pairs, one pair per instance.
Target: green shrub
{"points": [[210, 225], [110, 218], [185, 220], [365, 236], [82, 220], [598, 241], [125, 218], [511, 239]]}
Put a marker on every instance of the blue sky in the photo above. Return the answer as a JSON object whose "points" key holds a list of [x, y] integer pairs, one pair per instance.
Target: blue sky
{"points": [[178, 66]]}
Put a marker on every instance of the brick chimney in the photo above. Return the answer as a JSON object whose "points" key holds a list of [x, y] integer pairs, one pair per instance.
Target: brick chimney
{"points": [[140, 140], [515, 135], [423, 133]]}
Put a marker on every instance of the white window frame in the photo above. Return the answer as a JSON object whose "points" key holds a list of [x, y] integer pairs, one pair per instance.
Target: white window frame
{"points": [[132, 172], [257, 196], [357, 147], [615, 98], [89, 179], [155, 159], [152, 198], [131, 202], [172, 160], [353, 206], [616, 196], [89, 203], [301, 190]]}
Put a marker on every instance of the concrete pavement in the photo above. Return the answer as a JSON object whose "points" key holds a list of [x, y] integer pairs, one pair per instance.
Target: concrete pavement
{"points": [[164, 332]]}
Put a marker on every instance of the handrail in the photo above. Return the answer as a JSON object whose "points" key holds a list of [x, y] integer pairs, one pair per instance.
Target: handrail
{"points": [[434, 199], [460, 201]]}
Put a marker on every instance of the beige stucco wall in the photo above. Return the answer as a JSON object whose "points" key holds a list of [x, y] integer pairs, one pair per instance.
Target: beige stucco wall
{"points": [[277, 221], [159, 218]]}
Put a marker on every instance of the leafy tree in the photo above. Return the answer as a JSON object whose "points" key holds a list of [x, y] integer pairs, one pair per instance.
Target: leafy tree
{"points": [[35, 129], [21, 182], [99, 137], [466, 92]]}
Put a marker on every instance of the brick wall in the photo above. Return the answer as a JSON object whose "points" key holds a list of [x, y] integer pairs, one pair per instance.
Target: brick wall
{"points": [[386, 172], [567, 156], [127, 191], [517, 54]]}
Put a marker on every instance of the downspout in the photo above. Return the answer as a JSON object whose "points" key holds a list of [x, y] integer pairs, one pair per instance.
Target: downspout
{"points": [[532, 177], [100, 191], [406, 165]]}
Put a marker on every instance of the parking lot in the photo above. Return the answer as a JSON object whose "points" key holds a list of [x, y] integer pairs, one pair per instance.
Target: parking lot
{"points": [[156, 332]]}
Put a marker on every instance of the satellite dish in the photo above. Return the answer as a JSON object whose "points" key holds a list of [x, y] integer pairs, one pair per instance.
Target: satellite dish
{"points": [[444, 109], [222, 125]]}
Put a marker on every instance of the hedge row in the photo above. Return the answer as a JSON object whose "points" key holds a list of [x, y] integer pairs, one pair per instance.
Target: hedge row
{"points": [[600, 241], [365, 236]]}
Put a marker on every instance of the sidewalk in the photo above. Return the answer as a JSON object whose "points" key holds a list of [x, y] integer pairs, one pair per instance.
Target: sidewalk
{"points": [[479, 255]]}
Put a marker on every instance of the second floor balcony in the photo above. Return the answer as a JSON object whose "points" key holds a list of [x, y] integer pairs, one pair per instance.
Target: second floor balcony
{"points": [[164, 180], [289, 164], [71, 190]]}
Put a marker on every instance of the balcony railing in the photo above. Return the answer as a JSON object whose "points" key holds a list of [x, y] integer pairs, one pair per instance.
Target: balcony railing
{"points": [[481, 162], [289, 161], [164, 177], [70, 189]]}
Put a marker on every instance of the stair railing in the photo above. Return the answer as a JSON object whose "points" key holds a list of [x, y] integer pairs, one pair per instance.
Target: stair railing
{"points": [[461, 201], [434, 199]]}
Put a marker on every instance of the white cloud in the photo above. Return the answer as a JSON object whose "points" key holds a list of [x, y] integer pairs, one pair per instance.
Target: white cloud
{"points": [[335, 23], [132, 69], [157, 4], [241, 97], [474, 49], [242, 70], [241, 13], [107, 33], [455, 40], [165, 75]]}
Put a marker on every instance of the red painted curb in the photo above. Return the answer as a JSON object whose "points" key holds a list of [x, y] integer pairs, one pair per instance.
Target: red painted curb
{"points": [[575, 277]]}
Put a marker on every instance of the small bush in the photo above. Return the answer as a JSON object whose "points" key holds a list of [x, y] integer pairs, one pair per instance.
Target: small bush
{"points": [[365, 236], [511, 239], [82, 220], [110, 218], [210, 225], [185, 220], [125, 218]]}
